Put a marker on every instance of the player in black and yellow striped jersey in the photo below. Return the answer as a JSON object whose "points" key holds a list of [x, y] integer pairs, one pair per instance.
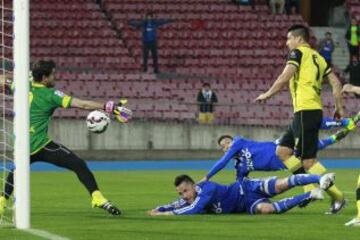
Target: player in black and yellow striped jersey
{"points": [[305, 71]]}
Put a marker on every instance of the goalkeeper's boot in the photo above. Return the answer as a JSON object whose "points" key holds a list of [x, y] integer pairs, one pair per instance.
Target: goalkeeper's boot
{"points": [[2, 205], [349, 124], [99, 201], [355, 222], [337, 206]]}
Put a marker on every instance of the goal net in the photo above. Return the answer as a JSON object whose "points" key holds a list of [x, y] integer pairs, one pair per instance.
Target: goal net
{"points": [[14, 128], [6, 106]]}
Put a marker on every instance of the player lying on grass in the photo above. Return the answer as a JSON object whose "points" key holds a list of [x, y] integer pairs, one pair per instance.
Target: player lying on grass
{"points": [[251, 155], [44, 99], [348, 88], [247, 195]]}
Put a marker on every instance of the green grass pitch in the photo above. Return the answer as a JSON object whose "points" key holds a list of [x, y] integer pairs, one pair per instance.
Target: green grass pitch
{"points": [[61, 205]]}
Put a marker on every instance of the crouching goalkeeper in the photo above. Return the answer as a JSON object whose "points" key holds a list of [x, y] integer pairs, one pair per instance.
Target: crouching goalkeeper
{"points": [[44, 99]]}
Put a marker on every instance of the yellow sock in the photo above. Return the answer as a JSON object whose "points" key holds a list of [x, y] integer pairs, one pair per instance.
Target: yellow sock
{"points": [[2, 204], [292, 163], [317, 169], [333, 191], [358, 208], [309, 187], [98, 199]]}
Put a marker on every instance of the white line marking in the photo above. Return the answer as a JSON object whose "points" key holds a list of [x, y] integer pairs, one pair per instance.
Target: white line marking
{"points": [[45, 234]]}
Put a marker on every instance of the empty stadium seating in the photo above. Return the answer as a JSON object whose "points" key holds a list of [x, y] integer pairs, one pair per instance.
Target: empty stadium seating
{"points": [[238, 49]]}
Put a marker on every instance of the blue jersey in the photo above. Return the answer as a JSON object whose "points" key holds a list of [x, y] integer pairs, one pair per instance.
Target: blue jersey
{"points": [[211, 198], [249, 156], [149, 28]]}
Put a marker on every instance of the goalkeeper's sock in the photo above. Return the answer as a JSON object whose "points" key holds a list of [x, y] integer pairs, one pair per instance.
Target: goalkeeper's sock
{"points": [[302, 179], [288, 203], [333, 191], [2, 205], [98, 199]]}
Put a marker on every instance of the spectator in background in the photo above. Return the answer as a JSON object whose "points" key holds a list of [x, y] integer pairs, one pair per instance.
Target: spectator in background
{"points": [[206, 99], [277, 6], [244, 2], [149, 26], [292, 7], [352, 36], [326, 47], [353, 69]]}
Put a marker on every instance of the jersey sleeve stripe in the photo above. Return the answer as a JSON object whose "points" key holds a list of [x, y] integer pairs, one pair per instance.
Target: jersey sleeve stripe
{"points": [[293, 63], [66, 101], [185, 209], [327, 72]]}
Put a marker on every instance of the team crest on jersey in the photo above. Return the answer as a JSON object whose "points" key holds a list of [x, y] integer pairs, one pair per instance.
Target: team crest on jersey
{"points": [[293, 54], [217, 208], [59, 93]]}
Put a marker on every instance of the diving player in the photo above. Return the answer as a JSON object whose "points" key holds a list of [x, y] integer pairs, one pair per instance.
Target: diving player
{"points": [[247, 195]]}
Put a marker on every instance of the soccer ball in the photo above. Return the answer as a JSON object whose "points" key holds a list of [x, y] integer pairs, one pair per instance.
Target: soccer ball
{"points": [[97, 121]]}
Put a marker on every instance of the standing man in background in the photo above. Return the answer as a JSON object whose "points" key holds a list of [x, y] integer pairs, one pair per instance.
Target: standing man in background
{"points": [[149, 37], [326, 47], [352, 37], [206, 99]]}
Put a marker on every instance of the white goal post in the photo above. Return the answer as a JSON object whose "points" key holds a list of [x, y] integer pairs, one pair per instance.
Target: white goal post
{"points": [[21, 55]]}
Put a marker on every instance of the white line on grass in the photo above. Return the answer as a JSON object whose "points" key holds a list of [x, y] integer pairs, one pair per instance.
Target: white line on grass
{"points": [[45, 234]]}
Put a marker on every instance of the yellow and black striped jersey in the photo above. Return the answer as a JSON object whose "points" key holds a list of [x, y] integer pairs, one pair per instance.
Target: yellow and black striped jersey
{"points": [[305, 86]]}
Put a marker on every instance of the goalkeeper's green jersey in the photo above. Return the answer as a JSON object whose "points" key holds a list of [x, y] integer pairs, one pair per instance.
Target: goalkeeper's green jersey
{"points": [[43, 102]]}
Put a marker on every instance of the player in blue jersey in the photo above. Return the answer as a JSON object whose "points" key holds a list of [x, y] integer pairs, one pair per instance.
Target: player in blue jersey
{"points": [[248, 195], [251, 155]]}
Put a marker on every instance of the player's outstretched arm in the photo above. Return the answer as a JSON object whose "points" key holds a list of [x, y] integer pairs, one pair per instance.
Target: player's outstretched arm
{"points": [[336, 91], [349, 88], [280, 82], [155, 212], [86, 104], [219, 165]]}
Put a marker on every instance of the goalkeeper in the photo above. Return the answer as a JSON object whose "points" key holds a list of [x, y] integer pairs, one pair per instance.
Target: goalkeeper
{"points": [[44, 99]]}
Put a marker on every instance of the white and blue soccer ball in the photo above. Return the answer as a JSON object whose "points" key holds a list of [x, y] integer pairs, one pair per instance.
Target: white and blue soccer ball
{"points": [[97, 121]]}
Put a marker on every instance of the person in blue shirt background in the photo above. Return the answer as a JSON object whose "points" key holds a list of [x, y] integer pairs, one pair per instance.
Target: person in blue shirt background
{"points": [[149, 26], [248, 195], [326, 47]]}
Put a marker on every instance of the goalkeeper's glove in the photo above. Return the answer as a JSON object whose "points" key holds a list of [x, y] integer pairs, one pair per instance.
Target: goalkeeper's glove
{"points": [[121, 113]]}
